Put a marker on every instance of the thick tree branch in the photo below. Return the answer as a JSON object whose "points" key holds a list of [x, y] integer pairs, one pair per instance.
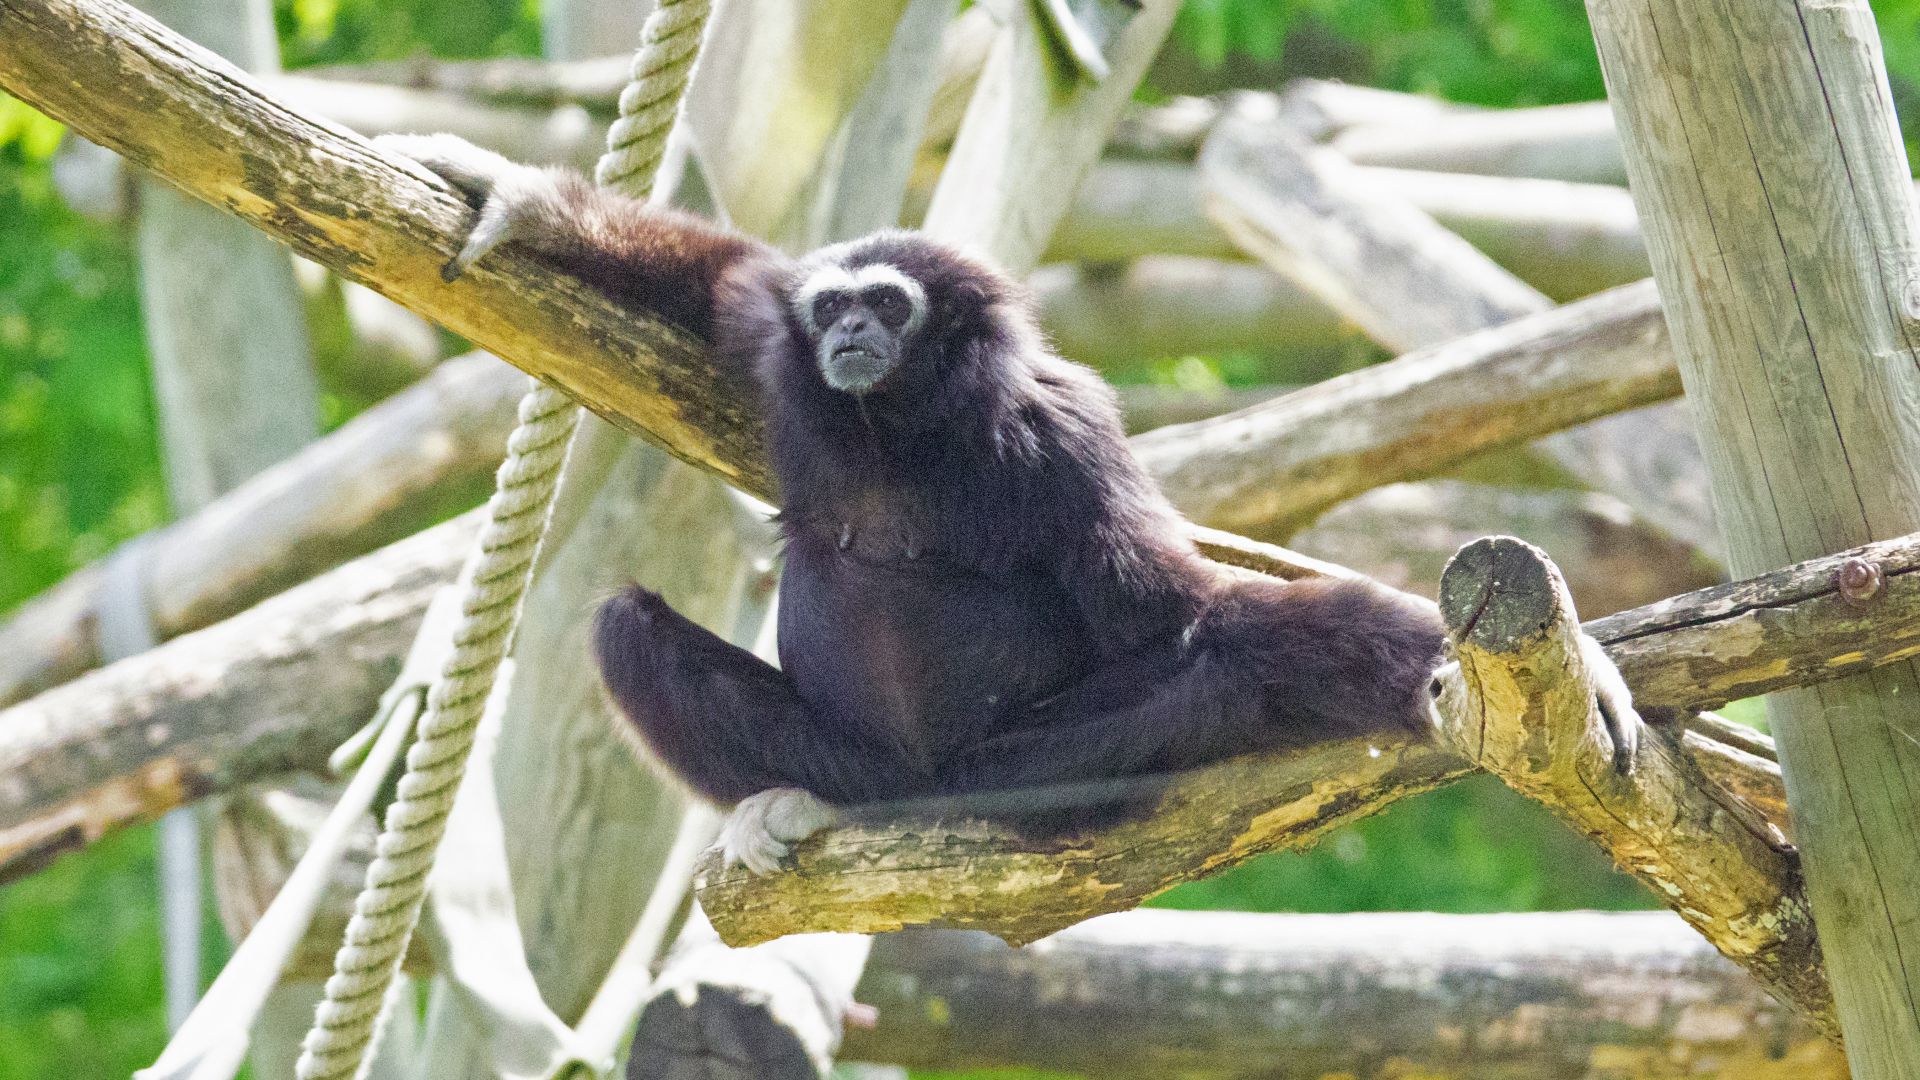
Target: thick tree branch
{"points": [[1523, 706], [1271, 468], [209, 129], [1229, 996], [265, 693], [968, 875]]}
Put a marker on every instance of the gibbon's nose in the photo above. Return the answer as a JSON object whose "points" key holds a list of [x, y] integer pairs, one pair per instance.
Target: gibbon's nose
{"points": [[855, 322]]}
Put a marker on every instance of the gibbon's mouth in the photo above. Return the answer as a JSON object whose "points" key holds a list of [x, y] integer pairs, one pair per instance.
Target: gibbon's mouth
{"points": [[855, 369]]}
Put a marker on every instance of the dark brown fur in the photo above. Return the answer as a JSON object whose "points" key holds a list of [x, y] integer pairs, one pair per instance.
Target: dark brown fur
{"points": [[983, 589]]}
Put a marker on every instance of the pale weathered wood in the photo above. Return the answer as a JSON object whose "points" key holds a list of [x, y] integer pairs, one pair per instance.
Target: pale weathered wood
{"points": [[427, 451], [773, 85], [235, 391], [1522, 705], [1765, 158], [1273, 467], [965, 875], [1321, 226], [1402, 535], [1723, 643], [1565, 239], [1555, 142], [268, 692], [206, 127], [1175, 305], [516, 81], [1734, 638], [1305, 211], [1226, 996], [1030, 118]]}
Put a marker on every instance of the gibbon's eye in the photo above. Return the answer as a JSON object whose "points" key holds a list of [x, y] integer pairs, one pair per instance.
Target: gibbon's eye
{"points": [[890, 305], [828, 306]]}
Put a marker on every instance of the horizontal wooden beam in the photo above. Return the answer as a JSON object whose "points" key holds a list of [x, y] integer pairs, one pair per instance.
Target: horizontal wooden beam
{"points": [[1230, 996]]}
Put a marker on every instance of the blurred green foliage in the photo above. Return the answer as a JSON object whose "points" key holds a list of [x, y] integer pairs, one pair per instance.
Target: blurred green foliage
{"points": [[79, 980]]}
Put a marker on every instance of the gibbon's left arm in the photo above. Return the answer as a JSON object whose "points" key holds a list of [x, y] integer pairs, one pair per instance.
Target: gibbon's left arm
{"points": [[654, 259]]}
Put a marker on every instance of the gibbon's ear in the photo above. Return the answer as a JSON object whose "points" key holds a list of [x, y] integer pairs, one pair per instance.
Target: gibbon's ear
{"points": [[964, 303]]}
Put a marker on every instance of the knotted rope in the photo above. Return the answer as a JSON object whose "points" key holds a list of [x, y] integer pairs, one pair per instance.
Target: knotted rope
{"points": [[347, 1022]]}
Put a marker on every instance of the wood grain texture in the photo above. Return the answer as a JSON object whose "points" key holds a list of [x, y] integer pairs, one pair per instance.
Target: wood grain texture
{"points": [[1703, 649], [382, 475], [269, 692], [198, 122], [1273, 467], [1521, 704], [1566, 239], [1029, 118], [1764, 156], [1390, 268], [966, 875], [1228, 996]]}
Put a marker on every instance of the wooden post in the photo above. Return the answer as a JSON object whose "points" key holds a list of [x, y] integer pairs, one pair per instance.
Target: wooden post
{"points": [[1767, 166], [234, 386]]}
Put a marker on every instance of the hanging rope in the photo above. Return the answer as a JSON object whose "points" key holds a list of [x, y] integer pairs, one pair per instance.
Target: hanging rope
{"points": [[347, 1023], [637, 139]]}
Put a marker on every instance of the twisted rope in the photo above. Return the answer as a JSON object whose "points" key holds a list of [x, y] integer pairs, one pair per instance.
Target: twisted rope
{"points": [[347, 1022], [636, 141]]}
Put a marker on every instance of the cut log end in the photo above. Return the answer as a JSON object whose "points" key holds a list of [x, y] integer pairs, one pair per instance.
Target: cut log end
{"points": [[1500, 593]]}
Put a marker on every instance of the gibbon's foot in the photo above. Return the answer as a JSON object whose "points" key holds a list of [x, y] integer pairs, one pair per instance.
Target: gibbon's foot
{"points": [[758, 833], [505, 192], [1610, 694], [1616, 704]]}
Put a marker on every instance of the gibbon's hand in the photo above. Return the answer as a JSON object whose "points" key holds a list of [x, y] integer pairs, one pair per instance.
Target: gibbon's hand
{"points": [[508, 195]]}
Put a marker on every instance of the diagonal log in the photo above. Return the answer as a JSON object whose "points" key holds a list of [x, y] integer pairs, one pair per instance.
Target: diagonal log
{"points": [[1522, 705], [1270, 468]]}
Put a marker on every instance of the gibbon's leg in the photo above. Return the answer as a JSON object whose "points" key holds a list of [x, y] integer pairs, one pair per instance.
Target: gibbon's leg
{"points": [[653, 258], [720, 718], [1268, 665]]}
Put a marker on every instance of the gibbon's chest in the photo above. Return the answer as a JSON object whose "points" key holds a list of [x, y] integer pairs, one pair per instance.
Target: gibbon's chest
{"points": [[907, 638]]}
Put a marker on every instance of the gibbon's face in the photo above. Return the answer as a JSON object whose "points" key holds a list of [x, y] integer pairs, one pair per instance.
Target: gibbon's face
{"points": [[859, 319]]}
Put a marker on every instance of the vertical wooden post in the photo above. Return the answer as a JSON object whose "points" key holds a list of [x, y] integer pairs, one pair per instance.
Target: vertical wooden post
{"points": [[233, 380], [1764, 157]]}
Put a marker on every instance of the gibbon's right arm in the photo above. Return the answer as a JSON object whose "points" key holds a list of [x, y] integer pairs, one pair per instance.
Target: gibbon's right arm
{"points": [[647, 258]]}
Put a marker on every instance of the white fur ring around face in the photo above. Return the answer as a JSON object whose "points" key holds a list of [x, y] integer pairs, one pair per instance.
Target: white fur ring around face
{"points": [[759, 832]]}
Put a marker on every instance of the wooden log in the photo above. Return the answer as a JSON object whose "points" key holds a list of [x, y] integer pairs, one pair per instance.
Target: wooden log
{"points": [[1553, 142], [1764, 154], [1318, 223], [782, 1006], [41, 30], [1006, 140], [1294, 206], [378, 478], [1566, 239], [1521, 704], [1733, 639], [1719, 644], [298, 180], [1227, 996], [966, 875], [514, 81], [1402, 535], [266, 693], [1271, 468], [1172, 305], [209, 129]]}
